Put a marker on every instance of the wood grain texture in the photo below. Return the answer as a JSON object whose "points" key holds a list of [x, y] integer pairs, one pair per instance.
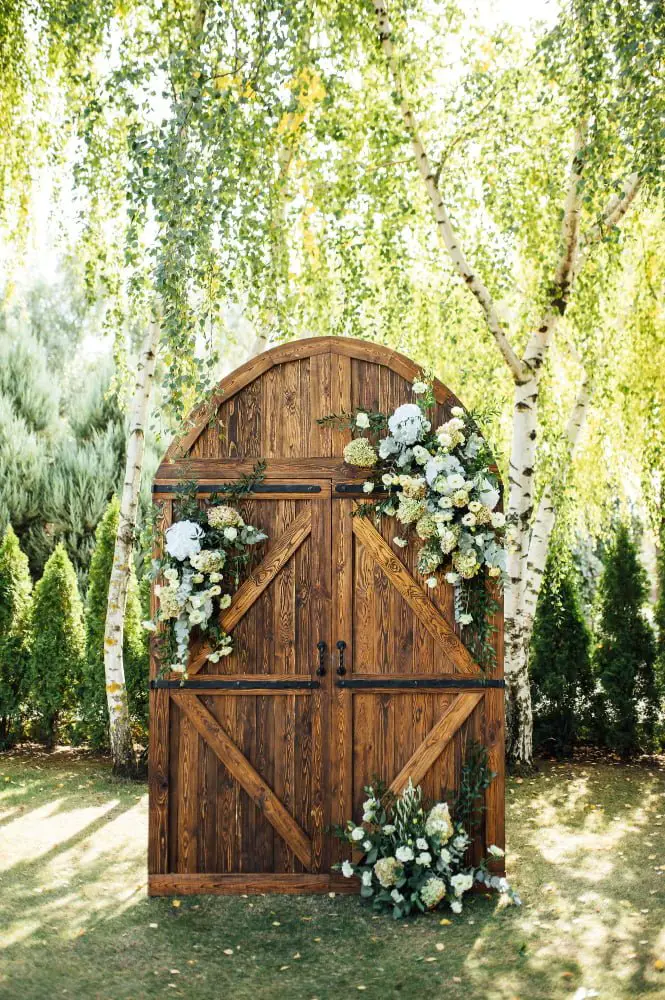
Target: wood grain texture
{"points": [[436, 740], [414, 596], [158, 747], [252, 782], [257, 581], [242, 884]]}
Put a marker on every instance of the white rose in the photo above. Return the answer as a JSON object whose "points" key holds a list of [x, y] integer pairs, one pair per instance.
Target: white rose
{"points": [[362, 420], [388, 829], [457, 411], [461, 883], [347, 869], [498, 519], [422, 844], [404, 854], [456, 906], [368, 487], [452, 578], [225, 601], [367, 845], [445, 855], [358, 833], [419, 387], [424, 859], [230, 534], [183, 539]]}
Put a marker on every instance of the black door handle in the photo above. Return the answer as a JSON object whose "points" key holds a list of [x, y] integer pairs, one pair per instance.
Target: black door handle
{"points": [[341, 645], [320, 670]]}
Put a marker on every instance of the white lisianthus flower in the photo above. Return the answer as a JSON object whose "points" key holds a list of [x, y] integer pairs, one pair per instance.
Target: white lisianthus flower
{"points": [[230, 534], [460, 842], [387, 447], [424, 859], [387, 479], [445, 855], [465, 619], [404, 854], [469, 520], [400, 542], [453, 578], [420, 387], [367, 845], [347, 869], [407, 424], [498, 519], [367, 878], [362, 420], [495, 851], [388, 829], [357, 833], [225, 601], [368, 487], [183, 539], [456, 482], [457, 411], [432, 582], [456, 906], [422, 844], [461, 883], [198, 578], [421, 455]]}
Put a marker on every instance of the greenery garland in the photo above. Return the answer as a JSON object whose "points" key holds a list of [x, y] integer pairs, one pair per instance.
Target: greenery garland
{"points": [[441, 485], [205, 552]]}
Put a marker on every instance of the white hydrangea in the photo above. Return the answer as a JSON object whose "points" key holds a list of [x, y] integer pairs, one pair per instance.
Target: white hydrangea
{"points": [[387, 447], [432, 892], [183, 539], [357, 833], [439, 823], [407, 424], [360, 452]]}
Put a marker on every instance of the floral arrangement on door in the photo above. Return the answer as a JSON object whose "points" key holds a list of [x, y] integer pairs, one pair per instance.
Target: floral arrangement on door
{"points": [[440, 486]]}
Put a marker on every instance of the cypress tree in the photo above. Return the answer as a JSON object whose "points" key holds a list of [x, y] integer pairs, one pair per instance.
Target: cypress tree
{"points": [[625, 650], [58, 645], [15, 635], [561, 678], [94, 707]]}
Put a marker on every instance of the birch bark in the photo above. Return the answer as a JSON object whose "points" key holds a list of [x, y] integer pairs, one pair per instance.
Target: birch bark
{"points": [[124, 761]]}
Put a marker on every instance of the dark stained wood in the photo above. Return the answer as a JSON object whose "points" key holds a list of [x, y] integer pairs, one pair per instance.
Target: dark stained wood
{"points": [[245, 784], [252, 782], [436, 740]]}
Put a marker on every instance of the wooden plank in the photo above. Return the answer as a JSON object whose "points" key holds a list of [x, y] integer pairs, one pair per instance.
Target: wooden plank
{"points": [[219, 470], [238, 765], [414, 595], [436, 741], [340, 788], [158, 747], [250, 884], [258, 579], [188, 817]]}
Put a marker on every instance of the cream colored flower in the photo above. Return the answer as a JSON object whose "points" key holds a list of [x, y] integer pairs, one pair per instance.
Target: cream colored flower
{"points": [[361, 453]]}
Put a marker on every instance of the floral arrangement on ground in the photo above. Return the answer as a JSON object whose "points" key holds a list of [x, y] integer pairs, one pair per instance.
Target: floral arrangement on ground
{"points": [[439, 484], [413, 858], [204, 554]]}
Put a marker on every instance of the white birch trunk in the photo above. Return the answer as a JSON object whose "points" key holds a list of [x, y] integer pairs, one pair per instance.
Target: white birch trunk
{"points": [[116, 692]]}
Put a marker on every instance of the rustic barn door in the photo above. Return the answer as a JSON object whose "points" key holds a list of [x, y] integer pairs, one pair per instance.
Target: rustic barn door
{"points": [[346, 667], [244, 761], [408, 696]]}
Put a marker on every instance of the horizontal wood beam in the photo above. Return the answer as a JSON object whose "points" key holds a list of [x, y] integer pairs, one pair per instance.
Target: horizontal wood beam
{"points": [[240, 768], [212, 470], [247, 883]]}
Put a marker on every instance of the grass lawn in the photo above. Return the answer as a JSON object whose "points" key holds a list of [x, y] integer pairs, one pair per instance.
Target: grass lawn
{"points": [[586, 853]]}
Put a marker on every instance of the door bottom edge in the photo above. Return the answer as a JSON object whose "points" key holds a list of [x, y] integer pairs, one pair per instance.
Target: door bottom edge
{"points": [[242, 883]]}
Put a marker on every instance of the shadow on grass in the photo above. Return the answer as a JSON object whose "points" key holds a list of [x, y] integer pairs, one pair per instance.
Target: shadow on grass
{"points": [[80, 924]]}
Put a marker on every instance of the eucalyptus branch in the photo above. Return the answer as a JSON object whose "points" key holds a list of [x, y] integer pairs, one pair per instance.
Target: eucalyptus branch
{"points": [[444, 226]]}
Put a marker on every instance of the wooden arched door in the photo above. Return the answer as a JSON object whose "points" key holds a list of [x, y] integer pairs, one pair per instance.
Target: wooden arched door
{"points": [[345, 667]]}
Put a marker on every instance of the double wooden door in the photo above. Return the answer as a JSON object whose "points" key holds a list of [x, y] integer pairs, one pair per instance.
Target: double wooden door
{"points": [[344, 669]]}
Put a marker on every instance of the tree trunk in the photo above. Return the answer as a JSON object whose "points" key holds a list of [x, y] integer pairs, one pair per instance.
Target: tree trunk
{"points": [[122, 749]]}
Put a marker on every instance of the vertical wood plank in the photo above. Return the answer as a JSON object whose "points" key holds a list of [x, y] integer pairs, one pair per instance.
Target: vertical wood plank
{"points": [[158, 747], [341, 719]]}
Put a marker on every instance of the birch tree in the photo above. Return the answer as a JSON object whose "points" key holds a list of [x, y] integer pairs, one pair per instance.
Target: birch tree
{"points": [[531, 518]]}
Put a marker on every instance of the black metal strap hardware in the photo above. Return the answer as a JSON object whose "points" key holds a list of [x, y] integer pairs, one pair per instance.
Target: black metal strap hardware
{"points": [[321, 669], [260, 488], [413, 682], [341, 645], [202, 684]]}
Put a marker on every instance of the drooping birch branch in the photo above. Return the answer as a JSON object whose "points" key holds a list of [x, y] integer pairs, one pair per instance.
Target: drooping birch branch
{"points": [[448, 236], [540, 340]]}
